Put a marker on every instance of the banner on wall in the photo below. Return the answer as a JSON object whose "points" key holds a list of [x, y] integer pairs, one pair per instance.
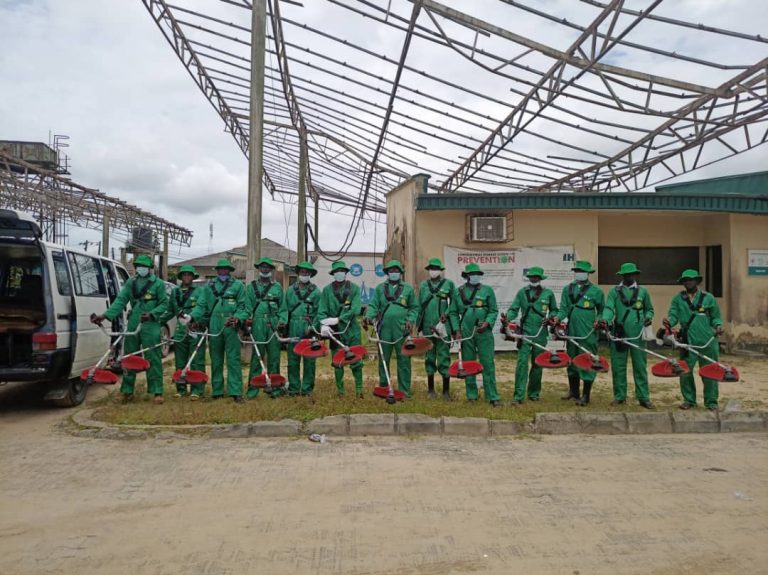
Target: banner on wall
{"points": [[505, 272]]}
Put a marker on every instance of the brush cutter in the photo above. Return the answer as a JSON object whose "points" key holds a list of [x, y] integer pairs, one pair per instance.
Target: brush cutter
{"points": [[416, 345], [462, 368], [186, 375], [549, 358], [347, 354], [668, 367], [97, 374], [388, 392], [587, 361], [715, 369], [268, 381], [134, 361]]}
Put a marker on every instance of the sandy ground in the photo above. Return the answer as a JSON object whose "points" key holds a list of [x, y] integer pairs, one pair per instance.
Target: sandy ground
{"points": [[401, 506]]}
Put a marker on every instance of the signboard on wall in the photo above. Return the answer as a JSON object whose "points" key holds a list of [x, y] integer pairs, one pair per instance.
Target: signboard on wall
{"points": [[505, 272], [364, 270], [757, 262]]}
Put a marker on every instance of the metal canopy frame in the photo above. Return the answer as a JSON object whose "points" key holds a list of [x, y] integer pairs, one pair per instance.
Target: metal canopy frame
{"points": [[484, 102]]}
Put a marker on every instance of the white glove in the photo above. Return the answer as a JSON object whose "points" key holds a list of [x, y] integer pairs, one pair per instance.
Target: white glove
{"points": [[184, 319], [329, 321], [326, 330], [440, 330]]}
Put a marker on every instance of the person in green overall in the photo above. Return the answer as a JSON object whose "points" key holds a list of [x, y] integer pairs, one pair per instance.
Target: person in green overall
{"points": [[535, 304], [340, 303], [149, 301], [263, 299], [629, 309], [182, 301], [580, 306], [436, 295], [299, 314], [220, 302], [393, 312], [698, 314], [476, 311]]}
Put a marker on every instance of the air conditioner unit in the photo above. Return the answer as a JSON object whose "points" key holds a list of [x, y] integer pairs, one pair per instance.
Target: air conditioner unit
{"points": [[489, 229]]}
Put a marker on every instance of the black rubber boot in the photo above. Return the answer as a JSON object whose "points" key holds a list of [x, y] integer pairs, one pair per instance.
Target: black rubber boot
{"points": [[585, 395], [431, 386], [573, 388], [446, 389]]}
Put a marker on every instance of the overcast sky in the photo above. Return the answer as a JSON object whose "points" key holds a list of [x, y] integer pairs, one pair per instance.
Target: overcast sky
{"points": [[100, 72]]}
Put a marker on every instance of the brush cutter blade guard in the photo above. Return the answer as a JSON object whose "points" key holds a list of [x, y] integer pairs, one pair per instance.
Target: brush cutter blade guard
{"points": [[416, 346], [310, 348], [134, 363], [275, 380], [349, 356], [720, 372], [383, 391], [553, 359], [102, 376], [669, 368], [466, 368], [192, 377], [589, 362]]}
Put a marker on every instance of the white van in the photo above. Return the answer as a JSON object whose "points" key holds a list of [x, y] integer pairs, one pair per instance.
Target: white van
{"points": [[47, 295]]}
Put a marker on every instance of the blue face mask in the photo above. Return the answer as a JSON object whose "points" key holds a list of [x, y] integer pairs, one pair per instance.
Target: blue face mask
{"points": [[394, 276], [339, 276], [142, 272], [475, 279], [223, 277]]}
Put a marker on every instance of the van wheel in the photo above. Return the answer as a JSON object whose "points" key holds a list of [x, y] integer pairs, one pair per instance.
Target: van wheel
{"points": [[76, 389], [165, 334]]}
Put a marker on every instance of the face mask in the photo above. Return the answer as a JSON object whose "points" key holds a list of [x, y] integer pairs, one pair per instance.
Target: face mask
{"points": [[394, 276], [339, 276], [629, 283], [581, 276], [535, 284], [475, 279], [142, 272], [223, 277], [304, 279], [265, 275], [434, 274]]}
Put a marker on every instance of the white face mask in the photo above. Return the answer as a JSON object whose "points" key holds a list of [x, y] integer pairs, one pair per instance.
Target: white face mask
{"points": [[265, 275], [535, 284], [304, 279], [475, 279], [394, 276], [339, 276], [581, 276], [434, 274], [142, 272]]}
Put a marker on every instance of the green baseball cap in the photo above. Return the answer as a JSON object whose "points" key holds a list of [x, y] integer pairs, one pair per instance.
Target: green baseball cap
{"points": [[472, 269], [628, 268], [583, 266], [306, 266], [143, 261], [535, 271], [224, 263], [689, 274], [394, 264], [435, 263]]}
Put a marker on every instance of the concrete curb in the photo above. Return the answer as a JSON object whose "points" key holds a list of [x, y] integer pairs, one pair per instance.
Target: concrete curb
{"points": [[380, 424]]}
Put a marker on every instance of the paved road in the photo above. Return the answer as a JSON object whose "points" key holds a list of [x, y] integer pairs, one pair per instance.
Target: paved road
{"points": [[565, 505]]}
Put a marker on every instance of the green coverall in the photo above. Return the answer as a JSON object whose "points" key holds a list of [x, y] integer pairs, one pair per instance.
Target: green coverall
{"points": [[534, 306], [435, 299], [475, 305], [581, 305], [146, 295], [342, 300], [393, 304], [220, 300], [628, 309], [698, 316], [299, 313], [183, 301], [262, 307]]}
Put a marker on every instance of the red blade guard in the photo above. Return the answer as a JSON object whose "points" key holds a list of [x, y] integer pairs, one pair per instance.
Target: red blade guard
{"points": [[383, 391], [349, 356], [416, 346], [467, 368], [310, 348], [720, 372], [102, 376], [670, 368], [589, 362], [134, 363], [553, 359], [275, 380], [193, 377]]}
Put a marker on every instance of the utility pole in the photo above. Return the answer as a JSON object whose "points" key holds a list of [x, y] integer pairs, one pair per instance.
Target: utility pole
{"points": [[316, 228], [164, 267], [256, 137], [301, 242], [105, 235]]}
